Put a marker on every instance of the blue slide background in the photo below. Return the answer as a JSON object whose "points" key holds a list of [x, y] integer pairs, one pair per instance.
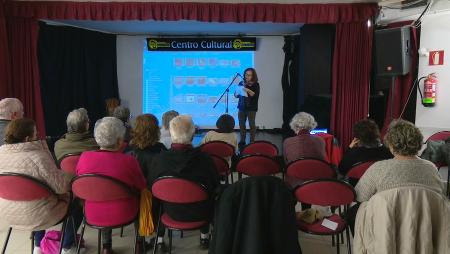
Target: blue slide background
{"points": [[191, 82]]}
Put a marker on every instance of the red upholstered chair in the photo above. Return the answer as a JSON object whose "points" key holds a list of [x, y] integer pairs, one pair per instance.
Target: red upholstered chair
{"points": [[178, 191], [326, 192], [260, 147], [358, 170], [257, 165], [222, 167], [23, 188], [219, 148], [101, 189], [68, 163], [309, 169]]}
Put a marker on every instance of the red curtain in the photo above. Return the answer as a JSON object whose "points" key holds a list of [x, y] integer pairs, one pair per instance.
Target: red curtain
{"points": [[23, 34], [351, 75], [207, 12], [403, 84], [352, 54], [5, 74]]}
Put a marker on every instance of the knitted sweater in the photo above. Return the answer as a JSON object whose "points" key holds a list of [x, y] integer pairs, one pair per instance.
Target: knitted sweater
{"points": [[394, 173]]}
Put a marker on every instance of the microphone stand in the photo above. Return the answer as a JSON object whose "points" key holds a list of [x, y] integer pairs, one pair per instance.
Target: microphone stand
{"points": [[227, 90]]}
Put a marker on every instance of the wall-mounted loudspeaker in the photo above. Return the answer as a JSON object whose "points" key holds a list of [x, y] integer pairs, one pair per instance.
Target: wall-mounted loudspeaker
{"points": [[392, 51]]}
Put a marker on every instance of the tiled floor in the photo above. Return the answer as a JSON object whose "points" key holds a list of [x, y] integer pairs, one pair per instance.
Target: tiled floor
{"points": [[20, 243]]}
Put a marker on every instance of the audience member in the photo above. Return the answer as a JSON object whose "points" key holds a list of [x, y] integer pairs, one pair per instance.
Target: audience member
{"points": [[78, 138], [10, 109], [165, 131], [144, 144], [304, 145], [123, 114], [184, 161], [224, 132], [23, 153], [111, 104], [406, 168], [365, 146], [109, 161]]}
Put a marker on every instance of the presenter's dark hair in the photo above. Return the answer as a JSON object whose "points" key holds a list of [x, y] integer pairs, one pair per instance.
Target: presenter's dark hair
{"points": [[254, 76], [225, 124]]}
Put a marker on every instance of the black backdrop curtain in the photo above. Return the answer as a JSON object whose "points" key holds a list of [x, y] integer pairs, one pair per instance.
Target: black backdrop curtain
{"points": [[78, 68], [289, 79]]}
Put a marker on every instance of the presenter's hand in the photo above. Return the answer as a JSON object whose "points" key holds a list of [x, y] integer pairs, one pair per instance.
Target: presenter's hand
{"points": [[249, 92]]}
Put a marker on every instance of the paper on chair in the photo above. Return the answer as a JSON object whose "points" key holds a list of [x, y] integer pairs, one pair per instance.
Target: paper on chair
{"points": [[329, 224]]}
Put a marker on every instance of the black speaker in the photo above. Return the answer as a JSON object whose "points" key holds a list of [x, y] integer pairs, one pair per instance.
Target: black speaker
{"points": [[392, 51]]}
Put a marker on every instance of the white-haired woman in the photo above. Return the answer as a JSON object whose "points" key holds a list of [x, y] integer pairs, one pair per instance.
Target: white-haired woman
{"points": [[185, 161], [78, 138], [303, 144], [109, 161]]}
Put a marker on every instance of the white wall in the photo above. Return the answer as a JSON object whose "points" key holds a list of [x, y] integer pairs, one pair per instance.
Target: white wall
{"points": [[435, 35], [269, 59]]}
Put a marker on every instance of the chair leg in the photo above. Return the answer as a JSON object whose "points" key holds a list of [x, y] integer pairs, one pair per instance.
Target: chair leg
{"points": [[239, 176], [63, 230], [99, 241], [6, 240], [32, 242], [332, 241], [232, 178], [157, 230], [448, 181], [181, 233], [81, 237], [136, 234], [349, 247], [121, 232], [337, 243], [170, 241]]}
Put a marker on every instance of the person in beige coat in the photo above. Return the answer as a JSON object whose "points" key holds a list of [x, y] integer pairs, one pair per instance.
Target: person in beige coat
{"points": [[23, 153]]}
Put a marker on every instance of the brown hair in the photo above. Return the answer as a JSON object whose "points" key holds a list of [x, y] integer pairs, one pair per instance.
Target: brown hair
{"points": [[367, 132], [254, 76], [111, 104], [18, 130], [404, 138], [146, 131]]}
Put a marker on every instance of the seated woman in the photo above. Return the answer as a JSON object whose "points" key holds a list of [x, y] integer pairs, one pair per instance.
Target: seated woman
{"points": [[109, 161], [406, 168], [304, 144], [144, 144], [365, 146], [23, 153], [225, 127], [165, 132]]}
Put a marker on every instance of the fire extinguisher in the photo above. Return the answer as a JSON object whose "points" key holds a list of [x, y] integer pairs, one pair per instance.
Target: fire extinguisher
{"points": [[429, 90]]}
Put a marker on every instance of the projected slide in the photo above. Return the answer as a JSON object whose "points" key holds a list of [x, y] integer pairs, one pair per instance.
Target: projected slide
{"points": [[191, 83]]}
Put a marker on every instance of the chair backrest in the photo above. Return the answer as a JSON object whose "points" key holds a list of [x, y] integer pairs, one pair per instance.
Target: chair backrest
{"points": [[257, 165], [310, 169], [178, 190], [95, 187], [325, 192], [260, 147], [221, 164], [68, 163], [358, 170], [219, 148], [442, 135], [20, 187]]}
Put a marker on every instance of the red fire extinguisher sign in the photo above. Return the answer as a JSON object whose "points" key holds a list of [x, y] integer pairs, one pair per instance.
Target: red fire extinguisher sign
{"points": [[436, 58]]}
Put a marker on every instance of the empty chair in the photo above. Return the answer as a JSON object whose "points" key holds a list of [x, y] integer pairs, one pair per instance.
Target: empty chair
{"points": [[110, 203], [260, 147], [222, 167], [219, 148], [309, 169], [182, 192], [68, 163], [257, 165], [326, 192]]}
